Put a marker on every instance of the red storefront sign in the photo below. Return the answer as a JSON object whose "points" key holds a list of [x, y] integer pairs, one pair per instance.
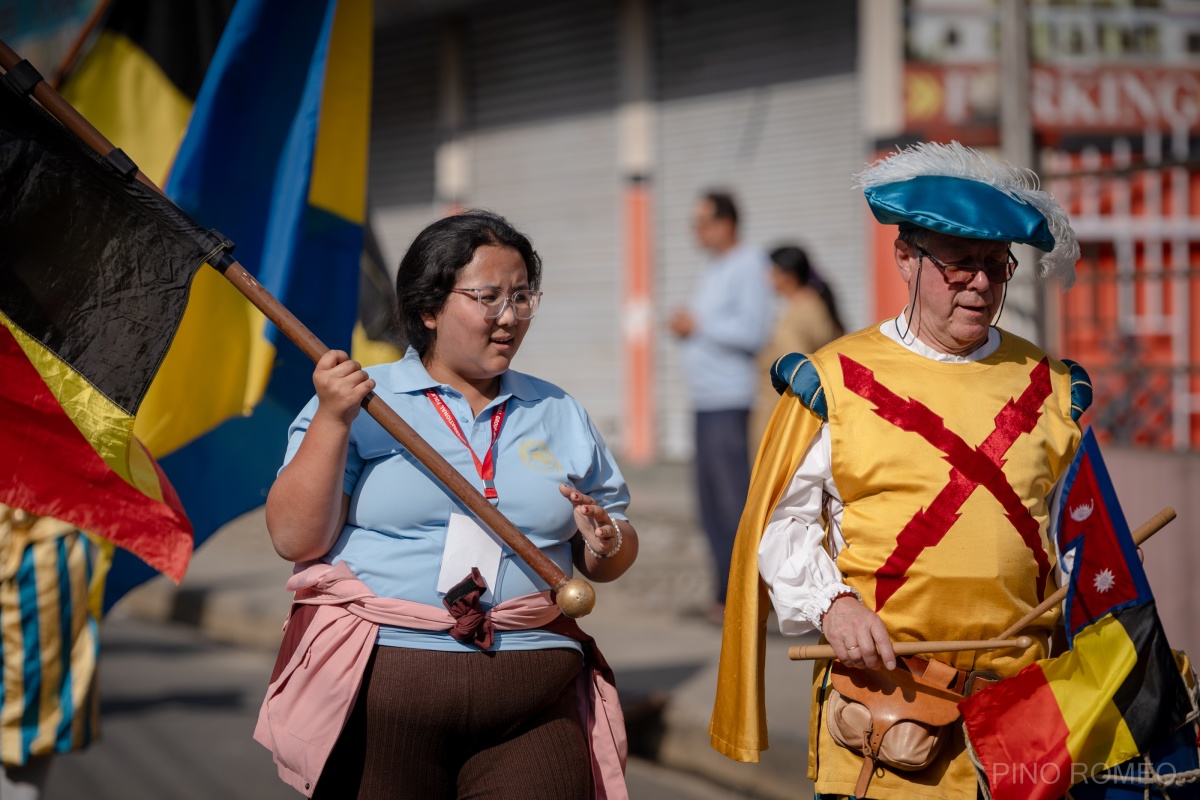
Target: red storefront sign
{"points": [[1113, 99], [961, 101]]}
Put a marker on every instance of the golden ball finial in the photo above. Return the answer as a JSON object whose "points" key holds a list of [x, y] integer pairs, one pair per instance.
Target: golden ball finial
{"points": [[576, 598]]}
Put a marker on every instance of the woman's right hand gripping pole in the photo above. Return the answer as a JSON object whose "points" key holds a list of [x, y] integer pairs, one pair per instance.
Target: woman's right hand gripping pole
{"points": [[307, 507]]}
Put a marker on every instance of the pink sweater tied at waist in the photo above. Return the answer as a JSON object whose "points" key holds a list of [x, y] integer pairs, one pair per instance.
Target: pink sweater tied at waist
{"points": [[328, 640]]}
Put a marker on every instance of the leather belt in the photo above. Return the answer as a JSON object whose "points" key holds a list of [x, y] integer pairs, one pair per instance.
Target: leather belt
{"points": [[971, 681]]}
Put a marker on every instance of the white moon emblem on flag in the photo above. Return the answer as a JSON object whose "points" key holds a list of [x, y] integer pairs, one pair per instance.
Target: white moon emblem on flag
{"points": [[1082, 511]]}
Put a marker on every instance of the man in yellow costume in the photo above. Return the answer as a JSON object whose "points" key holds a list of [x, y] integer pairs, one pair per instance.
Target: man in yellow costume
{"points": [[903, 489]]}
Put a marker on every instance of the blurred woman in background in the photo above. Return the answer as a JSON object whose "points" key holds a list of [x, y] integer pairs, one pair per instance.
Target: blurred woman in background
{"points": [[807, 320]]}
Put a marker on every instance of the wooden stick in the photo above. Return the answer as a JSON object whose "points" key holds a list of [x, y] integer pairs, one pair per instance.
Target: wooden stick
{"points": [[1144, 532], [1147, 529], [65, 113], [575, 597], [813, 651], [69, 59]]}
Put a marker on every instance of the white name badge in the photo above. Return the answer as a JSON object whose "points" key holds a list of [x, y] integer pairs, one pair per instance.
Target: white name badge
{"points": [[469, 545]]}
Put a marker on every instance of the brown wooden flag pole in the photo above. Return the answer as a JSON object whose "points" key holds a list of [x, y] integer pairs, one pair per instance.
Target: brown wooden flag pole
{"points": [[85, 33], [574, 596]]}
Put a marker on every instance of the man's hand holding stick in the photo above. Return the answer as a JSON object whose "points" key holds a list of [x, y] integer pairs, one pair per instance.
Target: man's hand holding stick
{"points": [[1004, 640]]}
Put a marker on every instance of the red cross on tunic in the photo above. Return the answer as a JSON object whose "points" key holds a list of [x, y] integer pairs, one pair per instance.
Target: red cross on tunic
{"points": [[970, 469]]}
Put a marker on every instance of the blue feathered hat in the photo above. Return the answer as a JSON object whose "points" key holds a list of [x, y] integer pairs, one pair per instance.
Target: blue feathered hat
{"points": [[959, 191]]}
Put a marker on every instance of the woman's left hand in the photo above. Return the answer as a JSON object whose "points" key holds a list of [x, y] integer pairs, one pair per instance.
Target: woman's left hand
{"points": [[598, 529]]}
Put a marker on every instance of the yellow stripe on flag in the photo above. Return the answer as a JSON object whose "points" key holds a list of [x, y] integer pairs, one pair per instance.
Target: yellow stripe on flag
{"points": [[143, 473], [219, 362], [1084, 684], [126, 95], [339, 176], [217, 368], [368, 352], [106, 426]]}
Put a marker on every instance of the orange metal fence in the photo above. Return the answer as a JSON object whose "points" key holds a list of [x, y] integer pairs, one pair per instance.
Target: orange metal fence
{"points": [[1135, 205]]}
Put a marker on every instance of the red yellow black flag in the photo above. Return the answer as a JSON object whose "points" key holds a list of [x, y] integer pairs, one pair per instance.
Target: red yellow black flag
{"points": [[1116, 693], [95, 270]]}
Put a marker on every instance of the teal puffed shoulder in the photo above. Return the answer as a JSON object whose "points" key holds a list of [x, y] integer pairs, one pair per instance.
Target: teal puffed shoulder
{"points": [[1081, 389], [794, 371]]}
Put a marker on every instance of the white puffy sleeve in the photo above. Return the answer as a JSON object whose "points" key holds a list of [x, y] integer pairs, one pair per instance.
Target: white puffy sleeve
{"points": [[793, 558]]}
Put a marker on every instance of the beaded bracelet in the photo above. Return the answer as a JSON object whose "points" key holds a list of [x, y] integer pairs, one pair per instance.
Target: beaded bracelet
{"points": [[617, 527]]}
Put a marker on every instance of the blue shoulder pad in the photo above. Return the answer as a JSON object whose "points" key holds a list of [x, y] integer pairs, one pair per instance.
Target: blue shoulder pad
{"points": [[1081, 389], [794, 371]]}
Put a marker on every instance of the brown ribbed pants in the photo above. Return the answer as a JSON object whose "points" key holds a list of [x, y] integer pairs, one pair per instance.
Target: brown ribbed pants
{"points": [[429, 725]]}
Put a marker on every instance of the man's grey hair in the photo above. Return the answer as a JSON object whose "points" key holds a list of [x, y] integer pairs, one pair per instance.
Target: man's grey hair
{"points": [[915, 236]]}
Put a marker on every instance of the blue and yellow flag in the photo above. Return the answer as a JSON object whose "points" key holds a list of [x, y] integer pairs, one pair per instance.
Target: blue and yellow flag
{"points": [[275, 158]]}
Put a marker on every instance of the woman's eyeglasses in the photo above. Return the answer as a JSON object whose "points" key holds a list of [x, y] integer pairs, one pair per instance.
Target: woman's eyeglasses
{"points": [[492, 302], [965, 273]]}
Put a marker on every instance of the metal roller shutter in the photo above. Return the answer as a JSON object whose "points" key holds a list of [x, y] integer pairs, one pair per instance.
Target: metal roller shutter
{"points": [[403, 133], [542, 87], [760, 97]]}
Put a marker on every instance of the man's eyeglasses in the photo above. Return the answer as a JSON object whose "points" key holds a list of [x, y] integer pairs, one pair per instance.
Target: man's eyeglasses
{"points": [[493, 302], [964, 273]]}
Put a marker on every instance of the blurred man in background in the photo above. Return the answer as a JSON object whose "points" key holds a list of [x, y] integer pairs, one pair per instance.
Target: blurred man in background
{"points": [[728, 321]]}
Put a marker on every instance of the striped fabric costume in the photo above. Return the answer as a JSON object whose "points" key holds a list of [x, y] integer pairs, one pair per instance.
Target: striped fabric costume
{"points": [[49, 637]]}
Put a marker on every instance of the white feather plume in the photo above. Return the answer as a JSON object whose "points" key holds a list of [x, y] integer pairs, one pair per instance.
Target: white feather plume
{"points": [[956, 161]]}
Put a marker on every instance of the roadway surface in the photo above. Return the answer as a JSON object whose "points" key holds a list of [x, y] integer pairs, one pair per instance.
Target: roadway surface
{"points": [[177, 713]]}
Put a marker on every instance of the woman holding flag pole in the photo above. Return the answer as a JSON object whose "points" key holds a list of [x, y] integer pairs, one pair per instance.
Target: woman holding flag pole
{"points": [[307, 707], [469, 682]]}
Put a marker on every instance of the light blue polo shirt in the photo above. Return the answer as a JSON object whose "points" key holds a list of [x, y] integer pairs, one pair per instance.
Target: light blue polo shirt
{"points": [[734, 309], [396, 526]]}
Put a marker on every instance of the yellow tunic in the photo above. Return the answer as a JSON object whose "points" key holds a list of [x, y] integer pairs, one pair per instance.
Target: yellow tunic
{"points": [[944, 471]]}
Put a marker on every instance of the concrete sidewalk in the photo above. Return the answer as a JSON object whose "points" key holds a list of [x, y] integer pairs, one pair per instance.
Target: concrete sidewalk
{"points": [[650, 625]]}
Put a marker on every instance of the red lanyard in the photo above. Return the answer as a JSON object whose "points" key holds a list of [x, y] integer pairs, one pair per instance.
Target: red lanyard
{"points": [[487, 467]]}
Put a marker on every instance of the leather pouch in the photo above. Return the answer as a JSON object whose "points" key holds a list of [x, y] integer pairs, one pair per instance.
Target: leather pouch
{"points": [[899, 718]]}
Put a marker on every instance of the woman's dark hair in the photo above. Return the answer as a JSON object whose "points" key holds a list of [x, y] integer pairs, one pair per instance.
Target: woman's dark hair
{"points": [[792, 260], [430, 268]]}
